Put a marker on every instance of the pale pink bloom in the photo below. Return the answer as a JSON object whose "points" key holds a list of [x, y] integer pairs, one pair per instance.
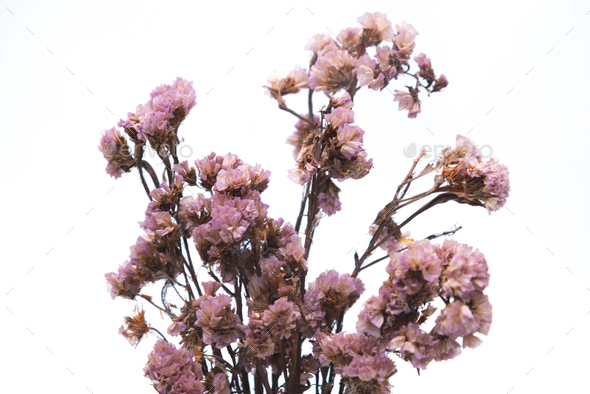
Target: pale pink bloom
{"points": [[376, 27], [293, 82], [321, 43], [404, 40], [258, 337], [414, 345], [350, 140], [329, 203], [378, 83], [350, 38], [365, 70], [115, 150], [176, 328], [466, 272], [408, 101], [445, 349], [343, 101], [281, 317], [497, 183], [482, 311], [471, 341], [334, 70], [456, 320], [389, 62], [339, 117], [302, 175], [220, 384], [440, 83]]}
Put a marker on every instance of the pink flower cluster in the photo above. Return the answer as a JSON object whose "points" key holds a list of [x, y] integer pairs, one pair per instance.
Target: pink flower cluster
{"points": [[361, 360], [345, 157], [328, 295], [469, 176], [221, 326], [173, 371], [115, 150], [157, 120], [457, 274]]}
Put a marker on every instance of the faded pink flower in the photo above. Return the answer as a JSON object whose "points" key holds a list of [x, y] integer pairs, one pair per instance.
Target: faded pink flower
{"points": [[321, 43], [408, 101], [404, 41], [115, 150], [173, 371], [334, 70], [376, 28], [281, 317]]}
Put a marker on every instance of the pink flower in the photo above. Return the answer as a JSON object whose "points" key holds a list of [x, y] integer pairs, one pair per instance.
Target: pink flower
{"points": [[426, 70], [365, 70], [376, 28], [167, 108], [408, 101], [456, 320], [340, 116], [292, 83], [497, 183], [258, 337], [440, 83], [466, 272], [343, 101], [173, 371], [281, 317], [125, 283], [350, 38], [350, 140], [328, 295], [404, 40], [115, 150], [219, 322], [414, 345], [302, 130], [321, 43], [176, 328], [334, 70]]}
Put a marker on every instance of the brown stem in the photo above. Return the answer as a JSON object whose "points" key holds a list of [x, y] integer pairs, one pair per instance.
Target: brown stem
{"points": [[302, 208], [191, 267], [310, 104], [148, 167], [138, 163], [285, 108], [157, 306], [262, 373]]}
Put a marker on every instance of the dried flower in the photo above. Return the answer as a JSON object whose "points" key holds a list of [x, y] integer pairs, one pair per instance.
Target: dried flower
{"points": [[115, 150]]}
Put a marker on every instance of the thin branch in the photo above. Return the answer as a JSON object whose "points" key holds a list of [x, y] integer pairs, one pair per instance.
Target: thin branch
{"points": [[157, 306], [148, 167], [285, 108], [162, 335]]}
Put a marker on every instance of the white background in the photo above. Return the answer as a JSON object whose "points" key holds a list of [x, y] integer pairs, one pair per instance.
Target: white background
{"points": [[518, 75]]}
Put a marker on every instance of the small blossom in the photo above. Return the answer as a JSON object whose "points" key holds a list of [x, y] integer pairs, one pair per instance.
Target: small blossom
{"points": [[350, 38], [408, 101], [404, 41], [281, 317], [334, 70], [173, 371], [376, 28], [126, 283], [115, 150], [320, 43], [440, 84], [136, 328], [425, 65]]}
